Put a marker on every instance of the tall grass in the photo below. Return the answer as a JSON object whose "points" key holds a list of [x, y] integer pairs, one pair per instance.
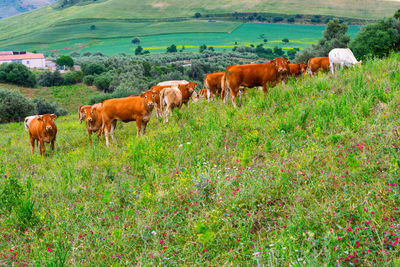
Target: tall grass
{"points": [[307, 174]]}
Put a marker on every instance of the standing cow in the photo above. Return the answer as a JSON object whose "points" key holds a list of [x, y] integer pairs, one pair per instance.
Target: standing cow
{"points": [[212, 83], [171, 97], [252, 75], [42, 129], [342, 57], [316, 64]]}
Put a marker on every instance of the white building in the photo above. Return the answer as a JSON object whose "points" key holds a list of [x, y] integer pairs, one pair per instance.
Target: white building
{"points": [[30, 60]]}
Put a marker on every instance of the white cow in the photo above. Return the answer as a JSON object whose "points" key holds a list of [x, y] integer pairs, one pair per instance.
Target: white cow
{"points": [[342, 57], [172, 83], [28, 120]]}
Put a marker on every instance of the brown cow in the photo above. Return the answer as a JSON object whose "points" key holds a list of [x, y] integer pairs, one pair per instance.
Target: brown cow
{"points": [[126, 109], [42, 129], [187, 91], [317, 63], [171, 97], [212, 82], [94, 120], [252, 75], [297, 69], [202, 93]]}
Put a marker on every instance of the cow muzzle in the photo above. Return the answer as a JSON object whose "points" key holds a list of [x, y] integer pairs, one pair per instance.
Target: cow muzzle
{"points": [[90, 119], [48, 128]]}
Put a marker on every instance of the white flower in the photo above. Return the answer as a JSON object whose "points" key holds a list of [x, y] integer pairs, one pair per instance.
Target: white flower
{"points": [[154, 232]]}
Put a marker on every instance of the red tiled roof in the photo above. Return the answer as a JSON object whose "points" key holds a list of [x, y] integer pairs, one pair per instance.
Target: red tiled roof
{"points": [[23, 56]]}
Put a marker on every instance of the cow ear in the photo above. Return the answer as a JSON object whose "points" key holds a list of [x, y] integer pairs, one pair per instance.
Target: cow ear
{"points": [[53, 116], [79, 114], [40, 118], [195, 84]]}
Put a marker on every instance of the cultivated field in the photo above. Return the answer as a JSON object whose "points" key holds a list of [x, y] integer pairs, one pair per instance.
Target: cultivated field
{"points": [[250, 33], [122, 18], [307, 174]]}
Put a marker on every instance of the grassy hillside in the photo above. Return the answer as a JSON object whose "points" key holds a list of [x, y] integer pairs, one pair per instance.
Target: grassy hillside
{"points": [[12, 7], [307, 174], [122, 18]]}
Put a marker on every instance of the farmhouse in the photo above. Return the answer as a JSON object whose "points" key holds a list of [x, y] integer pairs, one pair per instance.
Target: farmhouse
{"points": [[31, 60]]}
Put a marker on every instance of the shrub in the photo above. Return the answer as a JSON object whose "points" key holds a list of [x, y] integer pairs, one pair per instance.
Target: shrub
{"points": [[17, 73], [277, 19], [102, 82], [172, 49], [88, 80], [44, 107], [93, 68], [14, 106], [48, 78], [73, 77], [65, 61], [377, 39]]}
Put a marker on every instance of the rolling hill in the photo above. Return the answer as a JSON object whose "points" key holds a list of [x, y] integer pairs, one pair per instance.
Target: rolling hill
{"points": [[307, 175], [10, 8]]}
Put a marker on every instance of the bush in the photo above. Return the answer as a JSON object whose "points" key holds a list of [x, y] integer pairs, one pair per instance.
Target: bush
{"points": [[14, 106], [17, 73], [44, 107], [48, 78], [277, 19], [93, 68], [102, 82], [65, 61], [377, 39], [73, 77], [88, 80]]}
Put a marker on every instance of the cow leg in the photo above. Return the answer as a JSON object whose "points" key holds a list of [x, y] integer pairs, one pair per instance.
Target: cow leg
{"points": [[42, 148], [90, 136], [32, 144], [144, 125], [264, 88], [332, 67], [233, 98], [52, 144], [107, 127], [113, 125], [138, 126]]}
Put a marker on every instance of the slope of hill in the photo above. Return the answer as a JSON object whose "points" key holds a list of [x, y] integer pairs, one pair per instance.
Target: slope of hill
{"points": [[125, 15], [12, 7], [306, 175]]}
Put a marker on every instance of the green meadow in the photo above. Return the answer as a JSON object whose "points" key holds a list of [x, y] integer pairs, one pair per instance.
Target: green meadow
{"points": [[306, 175], [249, 33]]}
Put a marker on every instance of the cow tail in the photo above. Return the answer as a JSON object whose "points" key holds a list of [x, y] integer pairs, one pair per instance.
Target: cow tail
{"points": [[162, 93], [207, 87], [26, 125]]}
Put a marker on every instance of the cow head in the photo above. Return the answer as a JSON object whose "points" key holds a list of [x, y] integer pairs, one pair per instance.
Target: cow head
{"points": [[149, 97], [359, 63], [191, 86], [303, 67], [281, 65], [92, 112], [83, 111], [47, 120]]}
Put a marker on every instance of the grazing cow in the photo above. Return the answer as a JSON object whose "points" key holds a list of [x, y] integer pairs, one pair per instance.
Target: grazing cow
{"points": [[94, 120], [156, 90], [126, 109], [297, 69], [316, 64], [342, 57], [202, 93], [28, 120], [252, 75], [42, 129], [187, 91], [172, 83], [212, 82], [171, 97]]}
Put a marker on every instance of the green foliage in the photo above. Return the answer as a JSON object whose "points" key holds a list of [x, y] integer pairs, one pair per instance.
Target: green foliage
{"points": [[17, 73], [48, 78], [172, 49], [93, 68], [14, 106], [102, 82], [285, 40], [397, 14], [292, 53], [197, 15], [44, 107], [203, 47], [73, 77], [88, 80], [65, 61], [377, 39], [10, 193]]}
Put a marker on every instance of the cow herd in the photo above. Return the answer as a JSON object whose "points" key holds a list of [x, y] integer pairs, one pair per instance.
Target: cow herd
{"points": [[101, 118]]}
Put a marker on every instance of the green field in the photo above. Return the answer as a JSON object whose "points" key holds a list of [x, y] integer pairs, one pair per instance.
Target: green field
{"points": [[305, 175], [130, 18], [299, 35]]}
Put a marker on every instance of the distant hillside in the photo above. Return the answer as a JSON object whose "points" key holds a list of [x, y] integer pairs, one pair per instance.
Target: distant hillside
{"points": [[72, 19], [10, 8]]}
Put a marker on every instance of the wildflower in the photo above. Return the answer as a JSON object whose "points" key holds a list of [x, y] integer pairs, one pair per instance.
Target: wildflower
{"points": [[248, 215], [161, 241], [116, 217]]}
